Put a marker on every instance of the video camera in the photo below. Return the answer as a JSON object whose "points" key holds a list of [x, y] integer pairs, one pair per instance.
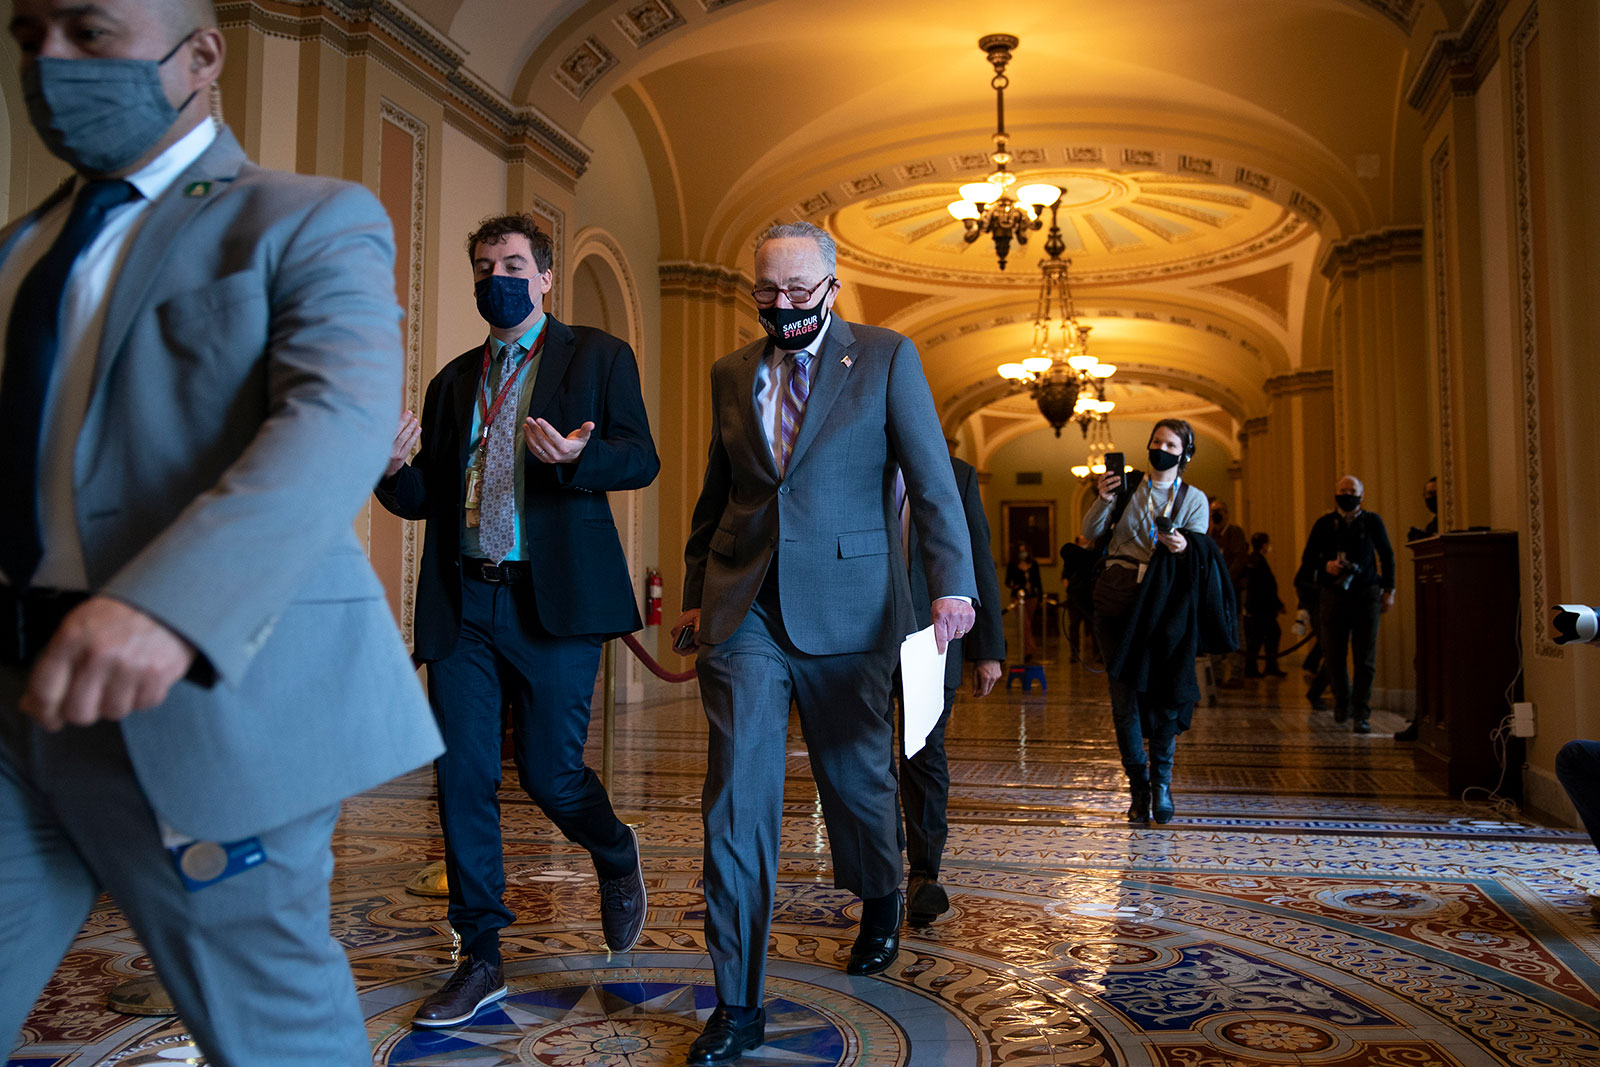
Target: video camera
{"points": [[1576, 622]]}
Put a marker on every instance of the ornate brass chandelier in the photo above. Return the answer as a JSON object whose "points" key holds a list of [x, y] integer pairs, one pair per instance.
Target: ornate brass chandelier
{"points": [[1067, 383], [990, 207]]}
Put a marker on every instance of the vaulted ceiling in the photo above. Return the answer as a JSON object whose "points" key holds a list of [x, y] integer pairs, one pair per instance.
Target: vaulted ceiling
{"points": [[1210, 150]]}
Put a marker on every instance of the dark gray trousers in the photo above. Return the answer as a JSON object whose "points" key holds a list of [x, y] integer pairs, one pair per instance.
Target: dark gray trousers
{"points": [[747, 684]]}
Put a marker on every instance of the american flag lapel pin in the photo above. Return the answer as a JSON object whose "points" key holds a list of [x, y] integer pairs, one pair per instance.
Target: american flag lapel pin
{"points": [[848, 362]]}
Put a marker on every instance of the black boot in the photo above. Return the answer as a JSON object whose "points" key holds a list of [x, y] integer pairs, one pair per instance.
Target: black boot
{"points": [[1161, 802], [1139, 810]]}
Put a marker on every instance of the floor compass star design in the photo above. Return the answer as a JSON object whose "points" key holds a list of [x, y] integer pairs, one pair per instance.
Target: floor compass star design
{"points": [[615, 1024]]}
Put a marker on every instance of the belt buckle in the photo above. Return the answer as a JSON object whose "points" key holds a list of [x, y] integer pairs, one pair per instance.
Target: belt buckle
{"points": [[490, 572]]}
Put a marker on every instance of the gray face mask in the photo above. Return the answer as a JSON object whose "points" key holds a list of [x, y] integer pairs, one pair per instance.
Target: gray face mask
{"points": [[100, 115]]}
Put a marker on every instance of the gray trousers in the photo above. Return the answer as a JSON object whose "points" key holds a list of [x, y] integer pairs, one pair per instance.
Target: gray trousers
{"points": [[747, 683], [249, 961]]}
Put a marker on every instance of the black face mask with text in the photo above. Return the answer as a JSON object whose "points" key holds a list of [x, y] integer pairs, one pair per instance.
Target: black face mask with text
{"points": [[792, 329]]}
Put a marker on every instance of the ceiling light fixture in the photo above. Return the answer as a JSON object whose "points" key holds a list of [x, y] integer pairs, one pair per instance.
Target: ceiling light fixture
{"points": [[1067, 383], [989, 206]]}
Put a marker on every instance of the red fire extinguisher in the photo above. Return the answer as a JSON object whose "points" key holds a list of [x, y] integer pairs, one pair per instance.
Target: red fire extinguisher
{"points": [[652, 599]]}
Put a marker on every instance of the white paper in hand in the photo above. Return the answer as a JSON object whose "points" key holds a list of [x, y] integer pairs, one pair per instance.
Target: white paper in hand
{"points": [[922, 688]]}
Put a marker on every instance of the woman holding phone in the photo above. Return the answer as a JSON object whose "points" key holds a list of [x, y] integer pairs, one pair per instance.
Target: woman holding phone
{"points": [[1162, 597]]}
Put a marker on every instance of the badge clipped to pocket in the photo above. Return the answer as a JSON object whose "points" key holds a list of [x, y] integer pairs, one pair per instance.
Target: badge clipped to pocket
{"points": [[204, 863]]}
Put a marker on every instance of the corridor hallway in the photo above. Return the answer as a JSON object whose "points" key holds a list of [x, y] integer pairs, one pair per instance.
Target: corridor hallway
{"points": [[1314, 902]]}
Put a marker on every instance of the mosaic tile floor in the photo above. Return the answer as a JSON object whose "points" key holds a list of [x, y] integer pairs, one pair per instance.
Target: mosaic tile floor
{"points": [[1314, 902]]}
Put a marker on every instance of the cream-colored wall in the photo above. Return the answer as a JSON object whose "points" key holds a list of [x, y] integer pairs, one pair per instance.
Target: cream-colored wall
{"points": [[615, 211], [472, 185]]}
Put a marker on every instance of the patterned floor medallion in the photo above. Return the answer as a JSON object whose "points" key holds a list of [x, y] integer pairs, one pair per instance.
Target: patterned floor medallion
{"points": [[617, 1017], [1315, 902]]}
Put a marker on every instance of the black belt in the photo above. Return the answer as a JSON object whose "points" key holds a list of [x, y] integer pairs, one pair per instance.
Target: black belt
{"points": [[29, 619], [485, 570]]}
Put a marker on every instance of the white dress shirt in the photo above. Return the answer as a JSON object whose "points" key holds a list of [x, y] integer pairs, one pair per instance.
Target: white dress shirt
{"points": [[83, 311], [772, 378]]}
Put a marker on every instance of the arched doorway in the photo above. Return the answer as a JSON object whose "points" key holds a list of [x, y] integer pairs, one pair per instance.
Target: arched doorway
{"points": [[603, 295]]}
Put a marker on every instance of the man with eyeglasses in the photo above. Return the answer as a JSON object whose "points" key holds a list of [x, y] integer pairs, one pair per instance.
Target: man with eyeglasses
{"points": [[796, 591]]}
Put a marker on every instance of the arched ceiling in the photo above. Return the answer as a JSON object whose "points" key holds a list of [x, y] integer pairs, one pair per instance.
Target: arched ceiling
{"points": [[1210, 149]]}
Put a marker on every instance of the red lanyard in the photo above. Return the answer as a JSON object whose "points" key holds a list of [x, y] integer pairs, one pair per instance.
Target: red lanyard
{"points": [[487, 411]]}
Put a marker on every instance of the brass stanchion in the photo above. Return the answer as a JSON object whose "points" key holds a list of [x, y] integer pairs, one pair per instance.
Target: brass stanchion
{"points": [[431, 881], [608, 716], [141, 996]]}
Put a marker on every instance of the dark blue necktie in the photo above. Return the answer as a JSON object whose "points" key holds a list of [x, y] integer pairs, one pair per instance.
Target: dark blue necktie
{"points": [[33, 337]]}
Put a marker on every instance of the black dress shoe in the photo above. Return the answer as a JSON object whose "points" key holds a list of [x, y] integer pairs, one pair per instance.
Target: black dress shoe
{"points": [[1161, 803], [926, 900], [723, 1040], [1362, 726], [622, 904], [876, 946], [475, 985], [1139, 810], [1409, 733]]}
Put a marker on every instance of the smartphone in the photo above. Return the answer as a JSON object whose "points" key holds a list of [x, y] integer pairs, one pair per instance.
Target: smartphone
{"points": [[1117, 463], [684, 642]]}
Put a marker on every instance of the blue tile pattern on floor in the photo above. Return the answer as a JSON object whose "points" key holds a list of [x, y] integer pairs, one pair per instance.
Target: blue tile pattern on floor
{"points": [[1316, 901]]}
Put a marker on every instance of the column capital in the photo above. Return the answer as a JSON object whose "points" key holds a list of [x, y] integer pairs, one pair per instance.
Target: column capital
{"points": [[1305, 381], [1457, 61], [1371, 251], [705, 279]]}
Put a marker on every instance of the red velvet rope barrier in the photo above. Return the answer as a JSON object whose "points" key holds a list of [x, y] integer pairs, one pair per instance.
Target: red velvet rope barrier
{"points": [[649, 661]]}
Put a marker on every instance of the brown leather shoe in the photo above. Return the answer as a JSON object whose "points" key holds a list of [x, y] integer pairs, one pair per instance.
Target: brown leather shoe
{"points": [[474, 986], [926, 900]]}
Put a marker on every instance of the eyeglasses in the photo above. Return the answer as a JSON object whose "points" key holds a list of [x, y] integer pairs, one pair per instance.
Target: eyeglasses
{"points": [[799, 296]]}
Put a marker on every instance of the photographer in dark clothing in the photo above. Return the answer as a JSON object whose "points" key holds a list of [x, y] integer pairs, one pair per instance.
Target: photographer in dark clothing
{"points": [[1349, 552], [1258, 595]]}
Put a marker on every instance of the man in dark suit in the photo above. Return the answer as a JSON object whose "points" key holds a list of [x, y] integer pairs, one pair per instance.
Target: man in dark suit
{"points": [[796, 594], [925, 776], [201, 372], [523, 579]]}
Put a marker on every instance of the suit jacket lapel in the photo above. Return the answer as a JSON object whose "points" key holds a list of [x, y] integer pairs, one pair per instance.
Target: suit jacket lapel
{"points": [[553, 362], [827, 380], [155, 240], [463, 394], [744, 385]]}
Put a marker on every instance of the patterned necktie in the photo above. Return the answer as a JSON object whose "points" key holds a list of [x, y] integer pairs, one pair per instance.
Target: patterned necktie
{"points": [[792, 406], [32, 338], [497, 522]]}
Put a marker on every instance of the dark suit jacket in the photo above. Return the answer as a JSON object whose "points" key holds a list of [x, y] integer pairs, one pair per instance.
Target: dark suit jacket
{"points": [[580, 576], [987, 639]]}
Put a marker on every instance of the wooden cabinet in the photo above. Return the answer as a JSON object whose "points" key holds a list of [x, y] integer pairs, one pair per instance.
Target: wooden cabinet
{"points": [[1467, 659]]}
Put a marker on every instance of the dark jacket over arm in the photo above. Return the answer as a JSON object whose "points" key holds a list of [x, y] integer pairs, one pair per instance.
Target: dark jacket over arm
{"points": [[987, 639]]}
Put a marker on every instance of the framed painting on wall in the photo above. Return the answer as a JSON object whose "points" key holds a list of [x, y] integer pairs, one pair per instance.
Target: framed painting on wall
{"points": [[1031, 523]]}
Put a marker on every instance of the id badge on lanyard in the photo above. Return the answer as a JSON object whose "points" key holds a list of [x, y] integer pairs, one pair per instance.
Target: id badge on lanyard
{"points": [[487, 412]]}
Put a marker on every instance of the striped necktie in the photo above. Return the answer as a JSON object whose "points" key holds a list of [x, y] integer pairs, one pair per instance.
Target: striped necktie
{"points": [[792, 405]]}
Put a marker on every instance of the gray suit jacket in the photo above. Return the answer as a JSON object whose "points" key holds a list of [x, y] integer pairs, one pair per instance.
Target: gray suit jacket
{"points": [[243, 404], [830, 520]]}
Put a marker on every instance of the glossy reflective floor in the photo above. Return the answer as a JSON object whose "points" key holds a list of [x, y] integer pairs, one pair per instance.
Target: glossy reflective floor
{"points": [[1314, 902]]}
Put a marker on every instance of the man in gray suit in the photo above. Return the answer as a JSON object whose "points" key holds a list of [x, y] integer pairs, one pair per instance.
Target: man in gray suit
{"points": [[201, 377], [795, 592]]}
